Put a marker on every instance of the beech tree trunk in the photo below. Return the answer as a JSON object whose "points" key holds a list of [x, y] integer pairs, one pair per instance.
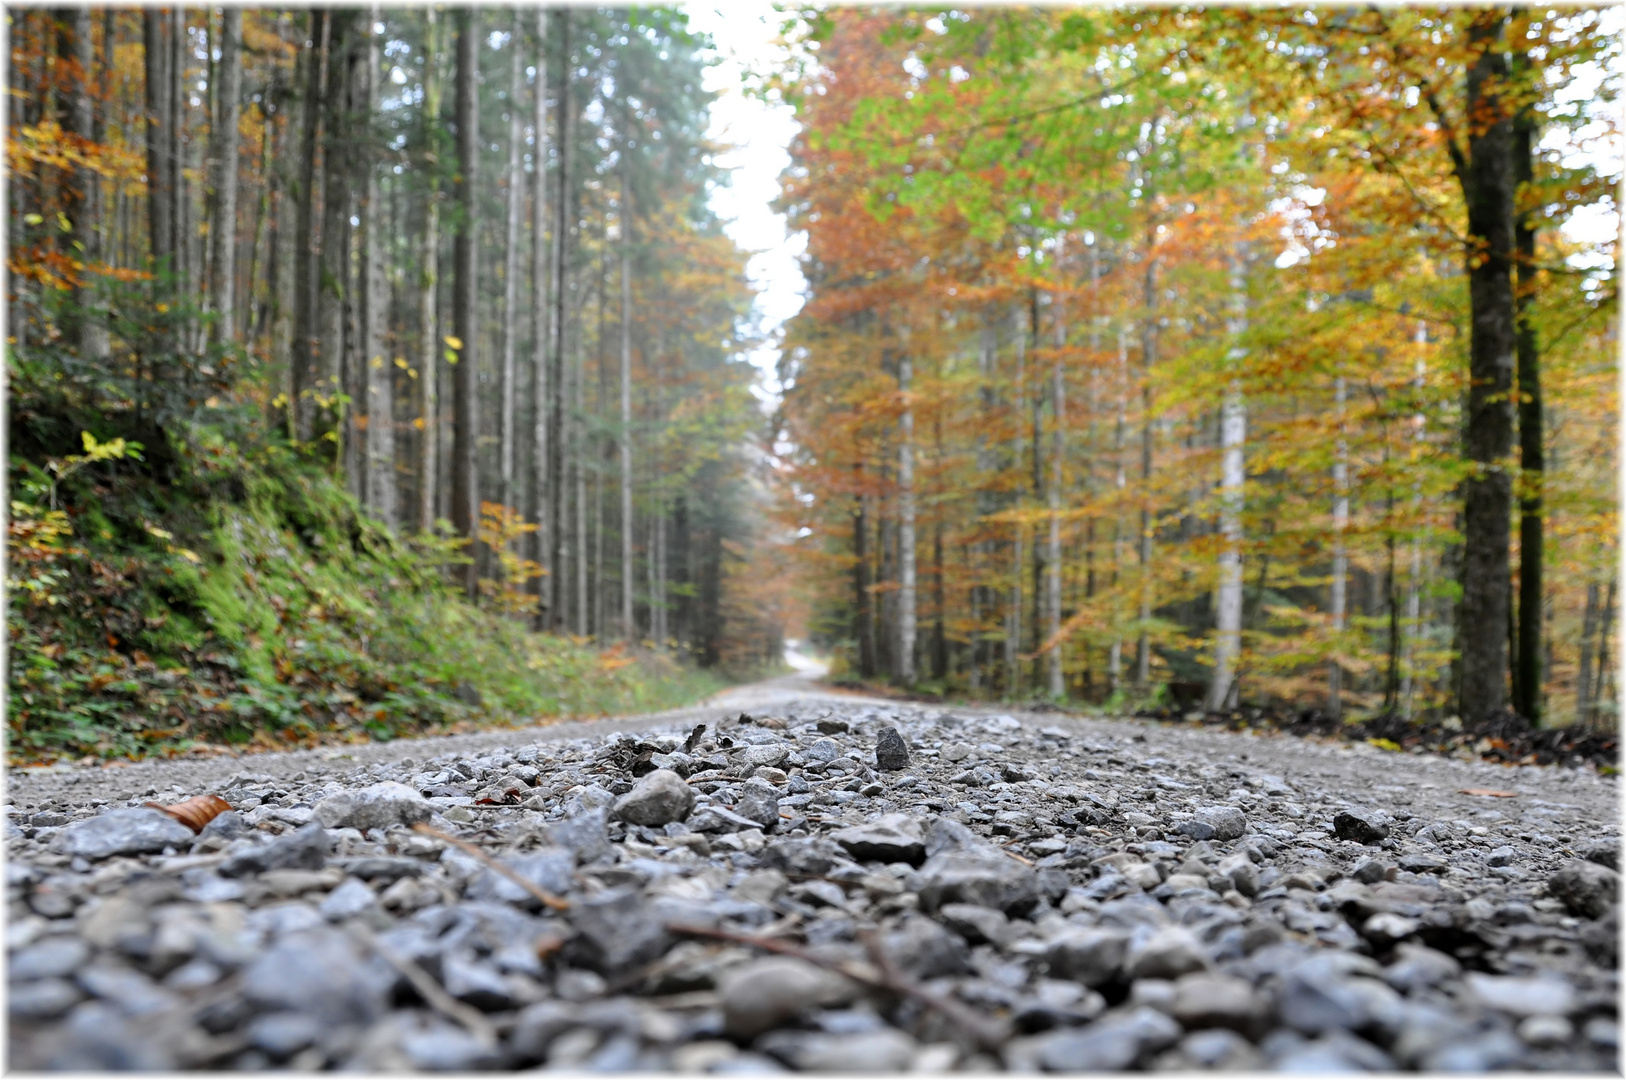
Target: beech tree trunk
{"points": [[1055, 687], [907, 613], [1340, 560], [1488, 184], [378, 372], [1233, 474], [429, 340], [160, 139], [223, 229], [465, 269]]}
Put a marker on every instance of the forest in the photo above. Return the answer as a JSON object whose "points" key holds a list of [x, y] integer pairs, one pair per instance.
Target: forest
{"points": [[373, 371], [1210, 358], [369, 371]]}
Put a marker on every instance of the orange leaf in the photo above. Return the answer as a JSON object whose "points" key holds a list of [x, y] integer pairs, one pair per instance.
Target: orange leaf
{"points": [[1490, 792], [195, 812]]}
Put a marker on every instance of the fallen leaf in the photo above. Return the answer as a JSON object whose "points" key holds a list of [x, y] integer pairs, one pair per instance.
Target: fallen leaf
{"points": [[195, 812], [1491, 792]]}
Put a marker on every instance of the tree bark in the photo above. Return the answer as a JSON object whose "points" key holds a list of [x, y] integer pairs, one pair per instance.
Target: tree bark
{"points": [[223, 229], [465, 477], [1528, 677], [1055, 686], [907, 613], [511, 267], [1340, 559], [91, 326], [375, 298], [1013, 606], [333, 264], [1233, 475], [1488, 184], [539, 317], [628, 629], [556, 358], [1143, 645], [160, 139], [306, 356], [430, 343], [1583, 682]]}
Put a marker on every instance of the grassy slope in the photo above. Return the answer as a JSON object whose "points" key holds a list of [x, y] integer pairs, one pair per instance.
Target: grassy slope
{"points": [[256, 607]]}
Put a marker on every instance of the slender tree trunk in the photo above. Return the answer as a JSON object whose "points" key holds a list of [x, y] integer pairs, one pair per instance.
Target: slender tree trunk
{"points": [[1488, 182], [335, 258], [1233, 444], [1529, 676], [628, 629], [578, 471], [1414, 578], [306, 355], [1583, 682], [465, 475], [556, 404], [1013, 607], [1143, 645], [160, 138], [511, 265], [865, 628], [1340, 560], [907, 613], [223, 229], [429, 337], [1120, 528], [88, 227], [378, 372], [539, 318], [1055, 686]]}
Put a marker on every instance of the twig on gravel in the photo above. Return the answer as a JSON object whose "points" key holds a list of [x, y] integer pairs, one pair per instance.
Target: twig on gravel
{"points": [[502, 868], [428, 989], [988, 1036]]}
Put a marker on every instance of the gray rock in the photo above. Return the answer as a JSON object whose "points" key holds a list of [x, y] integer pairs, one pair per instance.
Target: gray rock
{"points": [[137, 830], [283, 1034], [760, 995], [771, 755], [305, 848], [1093, 956], [1111, 1044], [1242, 873], [811, 857], [1227, 821], [1335, 1051], [1167, 953], [889, 838], [1323, 994], [1417, 967], [758, 802], [945, 834], [976, 924], [1502, 856], [350, 899], [925, 950], [321, 972], [1219, 1048], [1602, 852], [130, 990], [616, 930], [1538, 996], [886, 1050], [44, 999], [377, 806], [48, 959], [227, 826], [1421, 862], [97, 1039], [716, 819], [1587, 888], [823, 750], [659, 797], [586, 835], [442, 1047], [891, 752], [550, 869], [1203, 1000], [1361, 826], [990, 880]]}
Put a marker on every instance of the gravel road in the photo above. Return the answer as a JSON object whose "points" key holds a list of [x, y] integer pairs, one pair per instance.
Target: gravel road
{"points": [[832, 882]]}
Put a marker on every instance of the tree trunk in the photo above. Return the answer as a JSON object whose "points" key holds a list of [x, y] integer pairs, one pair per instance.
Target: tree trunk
{"points": [[1013, 606], [628, 629], [1488, 184], [539, 317], [865, 628], [1055, 687], [578, 472], [335, 257], [556, 359], [223, 229], [1120, 436], [907, 613], [429, 343], [1143, 645], [306, 355], [1222, 691], [160, 139], [89, 324], [1340, 560], [465, 476], [1529, 676], [511, 270], [378, 371], [1583, 681]]}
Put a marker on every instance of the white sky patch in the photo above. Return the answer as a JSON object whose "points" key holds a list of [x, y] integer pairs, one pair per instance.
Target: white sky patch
{"points": [[758, 134]]}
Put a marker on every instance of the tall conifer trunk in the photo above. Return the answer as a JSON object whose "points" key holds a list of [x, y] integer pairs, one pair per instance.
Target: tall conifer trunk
{"points": [[223, 228], [1528, 672], [465, 268], [429, 336]]}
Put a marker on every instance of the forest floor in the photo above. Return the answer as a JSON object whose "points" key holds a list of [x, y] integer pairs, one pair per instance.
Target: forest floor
{"points": [[994, 888]]}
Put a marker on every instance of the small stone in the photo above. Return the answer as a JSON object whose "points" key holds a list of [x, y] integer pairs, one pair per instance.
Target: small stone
{"points": [[976, 924], [991, 880], [283, 1034], [890, 838], [925, 950], [1336, 1051], [891, 752], [1228, 822], [1243, 875], [616, 930], [761, 886], [1167, 953], [1197, 830], [1111, 1044], [443, 1047], [1537, 996], [549, 869], [1546, 1030], [1421, 862], [377, 806], [1323, 994], [227, 826], [1204, 1001], [658, 798], [760, 995], [831, 726], [347, 901], [1586, 888], [1361, 826], [767, 755], [758, 802], [321, 972], [1370, 871], [48, 959], [1385, 928], [305, 848], [1093, 956], [131, 831], [715, 819], [823, 750], [585, 835], [1502, 856], [1219, 1048], [957, 751], [45, 999], [886, 1050], [1602, 852], [1419, 967]]}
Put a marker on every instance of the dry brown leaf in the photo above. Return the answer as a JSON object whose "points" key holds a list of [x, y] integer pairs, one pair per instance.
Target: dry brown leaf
{"points": [[1490, 792], [195, 812]]}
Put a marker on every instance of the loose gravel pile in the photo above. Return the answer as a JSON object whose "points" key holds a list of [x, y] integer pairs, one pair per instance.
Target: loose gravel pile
{"points": [[835, 887]]}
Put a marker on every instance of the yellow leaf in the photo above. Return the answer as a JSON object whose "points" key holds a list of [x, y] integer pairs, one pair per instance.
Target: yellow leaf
{"points": [[454, 342]]}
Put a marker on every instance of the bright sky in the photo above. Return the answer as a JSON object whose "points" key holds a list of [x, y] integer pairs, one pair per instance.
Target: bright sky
{"points": [[758, 134]]}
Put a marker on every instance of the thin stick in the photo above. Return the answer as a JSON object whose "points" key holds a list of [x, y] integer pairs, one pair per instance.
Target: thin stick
{"points": [[988, 1036], [506, 871], [429, 989]]}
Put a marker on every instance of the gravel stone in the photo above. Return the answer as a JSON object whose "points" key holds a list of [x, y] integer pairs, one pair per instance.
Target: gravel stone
{"points": [[1586, 888], [763, 994], [1111, 1044], [660, 797], [992, 880], [1227, 822], [377, 806], [891, 752], [132, 831], [889, 838], [1361, 826]]}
